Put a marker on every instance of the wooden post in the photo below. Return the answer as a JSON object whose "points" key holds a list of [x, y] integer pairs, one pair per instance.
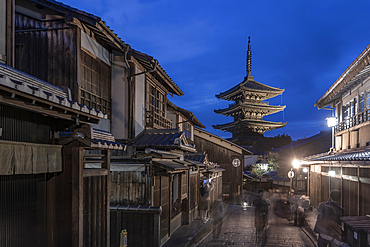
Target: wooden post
{"points": [[106, 165], [77, 196], [341, 185], [170, 181], [358, 192]]}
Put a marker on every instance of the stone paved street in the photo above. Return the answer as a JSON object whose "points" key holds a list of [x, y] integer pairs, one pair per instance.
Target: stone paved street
{"points": [[238, 230]]}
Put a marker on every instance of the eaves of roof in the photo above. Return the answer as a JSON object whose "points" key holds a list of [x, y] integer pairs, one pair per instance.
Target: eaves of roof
{"points": [[346, 156], [188, 114], [250, 122], [345, 78], [250, 106], [252, 86], [210, 135], [90, 19], [145, 61]]}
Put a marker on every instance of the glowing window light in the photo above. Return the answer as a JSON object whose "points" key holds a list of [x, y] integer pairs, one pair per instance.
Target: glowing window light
{"points": [[305, 169], [331, 173]]}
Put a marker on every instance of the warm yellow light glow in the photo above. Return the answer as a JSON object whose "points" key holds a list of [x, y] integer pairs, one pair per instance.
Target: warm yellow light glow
{"points": [[296, 163]]}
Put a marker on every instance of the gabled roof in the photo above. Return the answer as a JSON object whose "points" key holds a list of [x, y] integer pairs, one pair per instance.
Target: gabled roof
{"points": [[250, 85], [159, 73], [188, 114], [358, 70], [163, 139], [94, 23]]}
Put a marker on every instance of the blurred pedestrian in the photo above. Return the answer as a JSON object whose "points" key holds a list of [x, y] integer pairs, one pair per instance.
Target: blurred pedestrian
{"points": [[260, 217], [328, 223], [205, 199]]}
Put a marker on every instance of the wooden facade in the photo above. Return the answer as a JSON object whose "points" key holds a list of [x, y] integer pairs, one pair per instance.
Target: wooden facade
{"points": [[352, 181], [146, 184], [346, 166], [223, 153]]}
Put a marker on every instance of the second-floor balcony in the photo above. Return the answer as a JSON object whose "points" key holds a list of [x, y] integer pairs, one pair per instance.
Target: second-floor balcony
{"points": [[157, 121], [357, 119]]}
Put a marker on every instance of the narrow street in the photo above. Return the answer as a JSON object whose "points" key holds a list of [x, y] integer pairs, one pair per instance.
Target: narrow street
{"points": [[238, 230]]}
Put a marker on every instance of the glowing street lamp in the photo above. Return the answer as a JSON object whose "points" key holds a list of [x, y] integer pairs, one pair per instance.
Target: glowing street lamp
{"points": [[296, 163], [332, 121]]}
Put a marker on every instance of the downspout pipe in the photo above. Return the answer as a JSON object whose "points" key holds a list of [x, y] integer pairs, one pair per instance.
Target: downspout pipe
{"points": [[154, 63]]}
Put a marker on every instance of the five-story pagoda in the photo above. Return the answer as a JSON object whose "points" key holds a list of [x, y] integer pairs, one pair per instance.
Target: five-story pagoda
{"points": [[249, 108]]}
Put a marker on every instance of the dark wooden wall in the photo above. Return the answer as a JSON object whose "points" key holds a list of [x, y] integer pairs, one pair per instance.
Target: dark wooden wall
{"points": [[142, 228], [26, 210], [130, 188], [355, 197], [232, 177], [194, 190], [24, 126], [50, 55], [95, 211]]}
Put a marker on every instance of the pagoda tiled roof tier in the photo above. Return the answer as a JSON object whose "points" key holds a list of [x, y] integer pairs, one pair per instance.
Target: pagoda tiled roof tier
{"points": [[258, 108], [254, 124], [250, 86]]}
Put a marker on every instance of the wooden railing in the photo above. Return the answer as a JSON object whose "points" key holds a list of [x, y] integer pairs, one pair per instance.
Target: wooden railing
{"points": [[155, 120], [357, 119]]}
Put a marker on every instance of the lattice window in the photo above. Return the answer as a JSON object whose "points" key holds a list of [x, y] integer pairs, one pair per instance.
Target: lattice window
{"points": [[155, 99], [187, 129], [95, 87]]}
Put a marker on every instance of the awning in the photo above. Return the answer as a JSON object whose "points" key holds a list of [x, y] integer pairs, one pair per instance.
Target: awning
{"points": [[170, 165], [195, 163]]}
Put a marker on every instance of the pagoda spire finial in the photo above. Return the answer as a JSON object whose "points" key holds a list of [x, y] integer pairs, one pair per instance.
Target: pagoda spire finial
{"points": [[249, 58]]}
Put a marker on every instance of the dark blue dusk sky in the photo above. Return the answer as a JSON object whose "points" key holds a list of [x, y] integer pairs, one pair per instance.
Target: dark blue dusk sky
{"points": [[301, 46]]}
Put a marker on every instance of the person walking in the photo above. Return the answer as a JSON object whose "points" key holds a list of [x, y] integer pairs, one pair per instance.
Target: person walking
{"points": [[261, 217], [328, 224], [205, 199]]}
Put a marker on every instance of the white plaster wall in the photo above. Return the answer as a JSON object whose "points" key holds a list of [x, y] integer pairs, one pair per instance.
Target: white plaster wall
{"points": [[139, 102], [95, 48], [171, 115], [120, 104]]}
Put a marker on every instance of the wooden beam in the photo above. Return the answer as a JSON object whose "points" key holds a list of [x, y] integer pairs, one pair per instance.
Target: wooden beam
{"points": [[87, 172]]}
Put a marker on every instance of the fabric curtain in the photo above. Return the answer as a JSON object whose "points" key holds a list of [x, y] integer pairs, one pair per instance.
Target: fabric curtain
{"points": [[29, 158]]}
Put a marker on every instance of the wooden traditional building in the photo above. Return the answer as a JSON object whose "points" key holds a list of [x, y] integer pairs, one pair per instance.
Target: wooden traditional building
{"points": [[49, 196], [229, 157], [346, 166], [249, 108], [157, 178]]}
